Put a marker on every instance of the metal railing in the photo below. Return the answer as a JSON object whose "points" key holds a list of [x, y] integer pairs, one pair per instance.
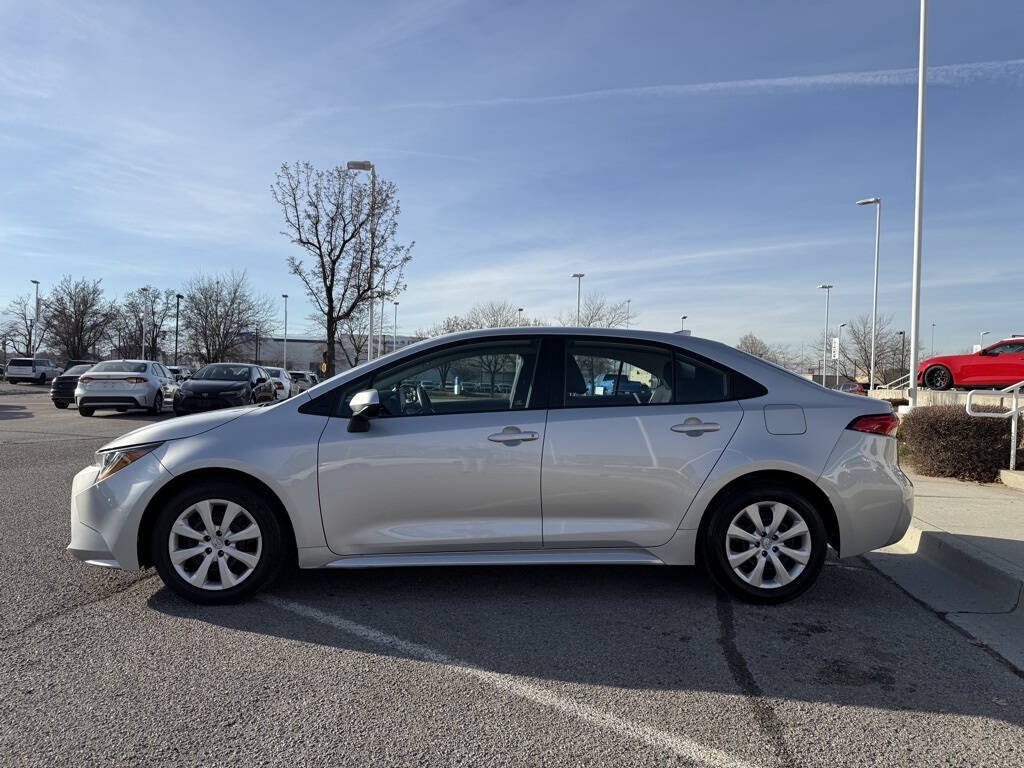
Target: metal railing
{"points": [[1013, 414], [901, 383]]}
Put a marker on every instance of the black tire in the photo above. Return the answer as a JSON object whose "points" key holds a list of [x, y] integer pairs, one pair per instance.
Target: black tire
{"points": [[272, 558], [714, 542], [82, 411], [42, 378], [62, 406], [938, 377], [158, 404]]}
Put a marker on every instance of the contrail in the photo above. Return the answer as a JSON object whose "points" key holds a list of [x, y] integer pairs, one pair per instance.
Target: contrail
{"points": [[947, 75]]}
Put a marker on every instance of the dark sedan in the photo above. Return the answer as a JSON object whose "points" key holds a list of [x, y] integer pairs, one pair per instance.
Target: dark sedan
{"points": [[223, 385], [62, 390]]}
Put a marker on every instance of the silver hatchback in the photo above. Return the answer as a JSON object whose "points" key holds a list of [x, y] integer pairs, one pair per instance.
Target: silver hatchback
{"points": [[534, 446]]}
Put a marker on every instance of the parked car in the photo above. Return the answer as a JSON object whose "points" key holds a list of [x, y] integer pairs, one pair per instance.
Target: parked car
{"points": [[223, 385], [62, 390], [121, 385], [73, 363], [852, 388], [733, 462], [179, 372], [303, 379], [284, 385], [998, 365], [37, 370]]}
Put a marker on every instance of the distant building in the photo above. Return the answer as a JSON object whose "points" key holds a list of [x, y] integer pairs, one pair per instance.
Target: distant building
{"points": [[308, 354]]}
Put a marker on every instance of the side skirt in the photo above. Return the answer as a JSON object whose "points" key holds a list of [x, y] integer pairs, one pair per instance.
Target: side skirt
{"points": [[522, 557]]}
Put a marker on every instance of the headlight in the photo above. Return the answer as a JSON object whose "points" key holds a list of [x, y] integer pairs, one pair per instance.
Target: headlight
{"points": [[116, 459]]}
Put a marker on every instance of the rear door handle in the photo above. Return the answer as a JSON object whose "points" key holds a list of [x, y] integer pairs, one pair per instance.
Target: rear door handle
{"points": [[694, 427], [512, 436]]}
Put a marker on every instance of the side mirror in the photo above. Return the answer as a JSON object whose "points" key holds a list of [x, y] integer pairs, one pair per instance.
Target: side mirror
{"points": [[365, 405]]}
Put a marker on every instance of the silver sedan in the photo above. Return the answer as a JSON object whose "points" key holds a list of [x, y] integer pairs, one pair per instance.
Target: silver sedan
{"points": [[124, 384], [570, 446]]}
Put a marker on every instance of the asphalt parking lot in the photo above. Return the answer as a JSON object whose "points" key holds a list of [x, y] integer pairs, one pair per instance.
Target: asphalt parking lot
{"points": [[472, 666]]}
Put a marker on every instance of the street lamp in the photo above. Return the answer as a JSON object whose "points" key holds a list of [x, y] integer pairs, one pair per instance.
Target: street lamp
{"points": [[177, 305], [981, 338], [682, 322], [933, 341], [839, 351], [285, 354], [519, 317], [915, 296], [877, 202], [394, 336], [827, 287], [628, 302], [366, 165], [145, 305], [579, 283], [35, 320], [903, 351]]}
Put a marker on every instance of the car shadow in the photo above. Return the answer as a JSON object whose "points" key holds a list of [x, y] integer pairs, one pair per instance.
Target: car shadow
{"points": [[8, 412], [853, 640]]}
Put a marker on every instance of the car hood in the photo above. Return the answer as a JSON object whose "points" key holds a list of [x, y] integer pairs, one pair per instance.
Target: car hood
{"points": [[210, 385], [178, 428]]}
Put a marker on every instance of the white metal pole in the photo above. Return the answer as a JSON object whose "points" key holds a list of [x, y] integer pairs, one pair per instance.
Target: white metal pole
{"points": [[35, 323], [394, 331], [839, 351], [380, 345], [579, 283], [915, 299], [285, 353], [874, 295], [369, 334], [628, 301]]}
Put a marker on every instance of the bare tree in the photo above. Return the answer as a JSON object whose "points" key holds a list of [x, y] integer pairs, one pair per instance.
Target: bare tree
{"points": [[855, 354], [220, 314], [20, 326], [348, 231], [597, 311], [144, 310], [78, 317], [779, 353]]}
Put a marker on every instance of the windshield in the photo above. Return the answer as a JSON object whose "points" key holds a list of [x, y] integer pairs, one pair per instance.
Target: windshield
{"points": [[118, 366], [223, 372], [275, 372]]}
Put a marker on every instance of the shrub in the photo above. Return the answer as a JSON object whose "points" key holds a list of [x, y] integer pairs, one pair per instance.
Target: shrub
{"points": [[944, 441]]}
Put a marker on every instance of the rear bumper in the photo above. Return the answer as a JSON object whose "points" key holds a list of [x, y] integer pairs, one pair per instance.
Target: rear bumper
{"points": [[872, 497]]}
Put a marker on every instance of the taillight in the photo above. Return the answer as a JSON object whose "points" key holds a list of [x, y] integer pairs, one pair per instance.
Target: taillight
{"points": [[876, 424], [85, 378], [135, 379], [279, 385]]}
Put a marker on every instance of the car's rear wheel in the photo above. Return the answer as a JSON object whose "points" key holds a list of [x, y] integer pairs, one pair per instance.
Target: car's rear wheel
{"points": [[61, 405], [158, 403], [764, 544], [42, 378], [938, 377], [217, 543], [83, 411]]}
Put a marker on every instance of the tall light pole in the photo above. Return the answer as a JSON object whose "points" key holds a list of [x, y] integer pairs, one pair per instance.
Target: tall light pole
{"points": [[933, 341], [628, 302], [682, 322], [579, 283], [915, 296], [35, 320], [827, 287], [380, 345], [366, 165], [177, 306], [285, 353], [145, 306], [981, 338], [519, 318], [877, 202], [903, 350], [839, 351], [394, 333]]}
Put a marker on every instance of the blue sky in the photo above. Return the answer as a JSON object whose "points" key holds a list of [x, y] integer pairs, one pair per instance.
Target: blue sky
{"points": [[698, 158]]}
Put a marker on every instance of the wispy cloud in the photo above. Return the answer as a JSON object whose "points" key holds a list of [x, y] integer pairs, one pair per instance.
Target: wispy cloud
{"points": [[948, 75]]}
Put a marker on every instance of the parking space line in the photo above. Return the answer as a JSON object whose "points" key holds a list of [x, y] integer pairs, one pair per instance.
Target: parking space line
{"points": [[680, 745]]}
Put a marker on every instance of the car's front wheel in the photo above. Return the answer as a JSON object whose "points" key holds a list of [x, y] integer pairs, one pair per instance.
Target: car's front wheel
{"points": [[217, 543], [938, 377], [764, 544]]}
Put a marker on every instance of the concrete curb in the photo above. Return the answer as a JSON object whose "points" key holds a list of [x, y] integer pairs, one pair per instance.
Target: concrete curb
{"points": [[1012, 479]]}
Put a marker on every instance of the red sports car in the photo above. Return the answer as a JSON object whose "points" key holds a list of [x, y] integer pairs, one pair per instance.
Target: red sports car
{"points": [[997, 365]]}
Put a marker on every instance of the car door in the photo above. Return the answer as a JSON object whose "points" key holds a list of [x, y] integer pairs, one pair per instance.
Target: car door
{"points": [[622, 464], [449, 470]]}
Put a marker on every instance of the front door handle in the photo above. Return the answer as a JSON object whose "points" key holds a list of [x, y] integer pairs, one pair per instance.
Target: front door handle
{"points": [[694, 427], [512, 436]]}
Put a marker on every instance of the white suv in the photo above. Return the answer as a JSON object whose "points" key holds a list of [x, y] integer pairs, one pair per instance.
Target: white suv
{"points": [[34, 369]]}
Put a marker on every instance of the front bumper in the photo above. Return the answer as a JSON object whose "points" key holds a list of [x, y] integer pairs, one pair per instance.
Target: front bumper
{"points": [[105, 516], [872, 497]]}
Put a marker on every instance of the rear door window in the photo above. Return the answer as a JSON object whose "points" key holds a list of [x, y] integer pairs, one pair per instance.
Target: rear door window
{"points": [[600, 373]]}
